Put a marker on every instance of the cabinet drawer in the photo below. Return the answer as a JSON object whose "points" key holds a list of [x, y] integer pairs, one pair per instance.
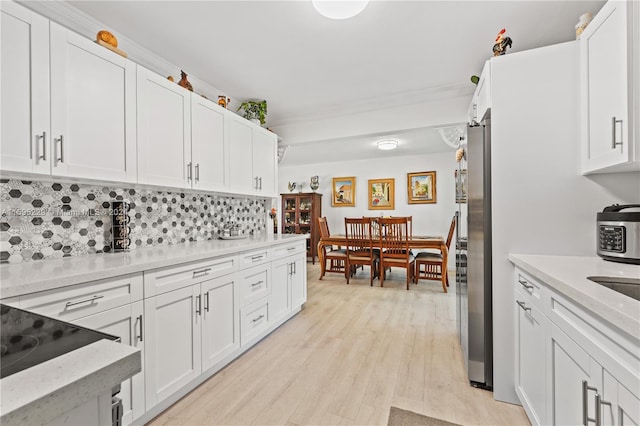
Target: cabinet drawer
{"points": [[254, 319], [255, 283], [533, 292], [162, 280], [77, 301], [284, 250], [255, 257]]}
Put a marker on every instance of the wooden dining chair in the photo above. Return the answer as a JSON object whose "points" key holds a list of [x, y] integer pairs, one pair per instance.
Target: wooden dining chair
{"points": [[337, 257], [394, 240], [433, 263], [359, 246]]}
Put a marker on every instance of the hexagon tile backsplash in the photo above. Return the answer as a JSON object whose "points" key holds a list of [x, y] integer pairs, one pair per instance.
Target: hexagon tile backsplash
{"points": [[44, 220]]}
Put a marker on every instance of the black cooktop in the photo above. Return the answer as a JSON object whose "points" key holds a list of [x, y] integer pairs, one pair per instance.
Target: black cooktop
{"points": [[27, 339]]}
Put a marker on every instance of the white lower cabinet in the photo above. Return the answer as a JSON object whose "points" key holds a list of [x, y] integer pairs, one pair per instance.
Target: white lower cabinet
{"points": [[531, 328], [172, 342], [220, 322], [576, 378], [125, 322], [571, 367]]}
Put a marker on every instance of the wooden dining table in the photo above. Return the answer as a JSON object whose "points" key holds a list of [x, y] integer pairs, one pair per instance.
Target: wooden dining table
{"points": [[416, 242]]}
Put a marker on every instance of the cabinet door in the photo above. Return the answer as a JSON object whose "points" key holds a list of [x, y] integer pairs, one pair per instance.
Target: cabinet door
{"points": [[242, 180], [208, 144], [299, 280], [164, 131], [126, 323], [220, 319], [570, 367], [531, 354], [265, 160], [281, 271], [605, 86], [619, 405], [172, 342], [93, 114], [24, 86]]}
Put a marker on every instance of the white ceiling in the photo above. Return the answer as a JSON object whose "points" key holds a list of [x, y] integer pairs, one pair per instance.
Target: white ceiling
{"points": [[309, 66]]}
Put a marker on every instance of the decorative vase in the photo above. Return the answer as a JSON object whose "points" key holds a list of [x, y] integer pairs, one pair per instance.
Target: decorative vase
{"points": [[315, 183], [255, 121]]}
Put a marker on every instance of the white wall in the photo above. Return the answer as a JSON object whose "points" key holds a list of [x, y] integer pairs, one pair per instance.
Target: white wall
{"points": [[541, 204], [428, 219]]}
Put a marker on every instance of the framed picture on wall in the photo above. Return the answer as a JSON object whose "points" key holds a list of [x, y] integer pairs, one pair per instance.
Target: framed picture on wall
{"points": [[343, 191], [421, 187], [381, 194]]}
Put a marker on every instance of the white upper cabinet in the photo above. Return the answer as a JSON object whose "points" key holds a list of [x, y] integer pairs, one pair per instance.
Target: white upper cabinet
{"points": [[24, 101], [72, 108], [164, 131], [609, 83], [208, 144], [481, 100], [93, 115], [241, 178], [252, 158], [68, 104], [265, 161]]}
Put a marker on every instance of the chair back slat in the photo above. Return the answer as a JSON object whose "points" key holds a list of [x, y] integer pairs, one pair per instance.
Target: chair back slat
{"points": [[452, 227], [394, 236], [324, 227], [358, 234]]}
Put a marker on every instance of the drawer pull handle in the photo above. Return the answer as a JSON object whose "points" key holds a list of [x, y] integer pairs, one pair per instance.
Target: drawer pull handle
{"points": [[614, 143], [43, 156], [206, 301], [202, 271], [257, 319], [585, 404], [525, 284], [199, 305], [89, 300], [256, 258], [523, 306], [291, 248], [140, 325], [257, 283]]}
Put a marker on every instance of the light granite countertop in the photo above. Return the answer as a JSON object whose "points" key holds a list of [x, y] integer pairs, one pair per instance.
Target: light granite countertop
{"points": [[31, 277], [568, 276], [47, 390]]}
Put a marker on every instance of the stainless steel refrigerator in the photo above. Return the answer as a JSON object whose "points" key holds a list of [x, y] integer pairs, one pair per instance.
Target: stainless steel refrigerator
{"points": [[473, 258]]}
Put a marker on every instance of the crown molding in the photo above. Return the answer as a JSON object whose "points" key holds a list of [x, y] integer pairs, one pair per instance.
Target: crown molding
{"points": [[74, 19]]}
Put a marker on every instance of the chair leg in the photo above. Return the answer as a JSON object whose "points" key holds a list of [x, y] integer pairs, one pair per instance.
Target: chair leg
{"points": [[324, 267], [381, 274], [444, 278]]}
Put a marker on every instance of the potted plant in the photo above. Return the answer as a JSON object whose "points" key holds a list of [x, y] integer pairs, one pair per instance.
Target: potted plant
{"points": [[255, 111]]}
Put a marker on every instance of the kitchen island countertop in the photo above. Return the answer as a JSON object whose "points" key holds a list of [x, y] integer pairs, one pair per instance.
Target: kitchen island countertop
{"points": [[50, 389], [568, 276], [31, 277]]}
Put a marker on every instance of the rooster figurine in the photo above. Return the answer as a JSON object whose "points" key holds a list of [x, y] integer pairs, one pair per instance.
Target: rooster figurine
{"points": [[502, 42], [184, 82]]}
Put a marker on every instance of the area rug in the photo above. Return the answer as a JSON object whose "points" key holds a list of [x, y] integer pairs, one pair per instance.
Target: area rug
{"points": [[400, 417]]}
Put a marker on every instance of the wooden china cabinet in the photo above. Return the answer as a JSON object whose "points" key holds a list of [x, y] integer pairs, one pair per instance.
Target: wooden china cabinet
{"points": [[300, 213]]}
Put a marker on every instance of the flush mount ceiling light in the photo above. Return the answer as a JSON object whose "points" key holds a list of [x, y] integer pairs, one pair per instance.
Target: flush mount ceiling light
{"points": [[387, 144], [339, 9]]}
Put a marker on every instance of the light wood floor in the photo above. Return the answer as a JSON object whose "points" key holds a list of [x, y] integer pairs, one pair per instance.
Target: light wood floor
{"points": [[351, 353]]}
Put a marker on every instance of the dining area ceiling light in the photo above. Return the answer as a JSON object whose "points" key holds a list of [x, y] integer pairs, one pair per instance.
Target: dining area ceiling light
{"points": [[387, 144], [339, 9]]}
